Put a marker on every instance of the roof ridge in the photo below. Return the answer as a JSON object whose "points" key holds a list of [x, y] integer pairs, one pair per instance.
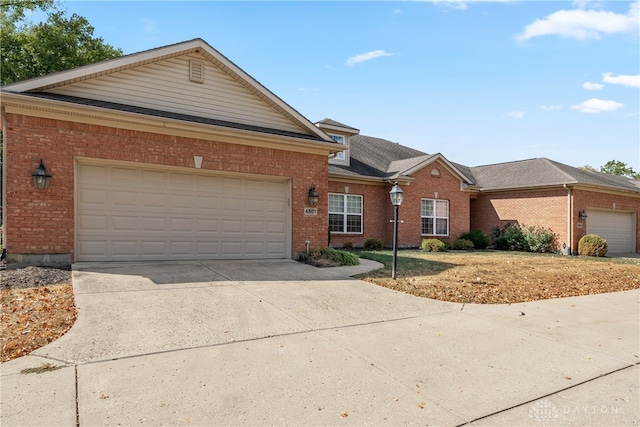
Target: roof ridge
{"points": [[555, 166]]}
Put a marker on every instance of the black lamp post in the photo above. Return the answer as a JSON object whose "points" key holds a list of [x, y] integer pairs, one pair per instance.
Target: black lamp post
{"points": [[396, 195]]}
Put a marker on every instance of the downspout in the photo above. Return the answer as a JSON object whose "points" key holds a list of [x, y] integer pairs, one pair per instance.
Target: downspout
{"points": [[3, 119], [568, 219]]}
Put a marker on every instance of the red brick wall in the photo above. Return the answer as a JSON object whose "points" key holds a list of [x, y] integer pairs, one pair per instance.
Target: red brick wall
{"points": [[424, 187], [541, 208], [547, 209], [376, 213], [378, 210], [42, 221], [583, 200]]}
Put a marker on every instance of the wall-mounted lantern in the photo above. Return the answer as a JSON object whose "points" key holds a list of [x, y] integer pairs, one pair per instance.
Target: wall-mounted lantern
{"points": [[313, 195], [41, 179], [583, 215]]}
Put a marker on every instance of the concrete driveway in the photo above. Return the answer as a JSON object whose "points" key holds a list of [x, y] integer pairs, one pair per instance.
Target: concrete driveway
{"points": [[279, 342]]}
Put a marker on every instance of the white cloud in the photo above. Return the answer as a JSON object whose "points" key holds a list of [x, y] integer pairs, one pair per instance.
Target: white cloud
{"points": [[149, 26], [583, 24], [463, 4], [552, 107], [516, 114], [363, 57], [592, 86], [631, 81], [595, 105]]}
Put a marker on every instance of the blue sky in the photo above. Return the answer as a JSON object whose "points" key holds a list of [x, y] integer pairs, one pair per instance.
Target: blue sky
{"points": [[479, 81]]}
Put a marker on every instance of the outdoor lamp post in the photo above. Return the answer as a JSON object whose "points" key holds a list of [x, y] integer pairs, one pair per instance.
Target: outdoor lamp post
{"points": [[396, 195]]}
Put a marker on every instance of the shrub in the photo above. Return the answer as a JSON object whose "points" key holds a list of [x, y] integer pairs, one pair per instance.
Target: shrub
{"points": [[433, 245], [509, 238], [373, 244], [477, 237], [592, 245], [462, 244], [540, 239], [347, 245], [337, 256]]}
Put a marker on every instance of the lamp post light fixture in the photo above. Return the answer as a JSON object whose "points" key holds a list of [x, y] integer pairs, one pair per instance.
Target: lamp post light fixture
{"points": [[313, 195], [396, 195], [41, 179]]}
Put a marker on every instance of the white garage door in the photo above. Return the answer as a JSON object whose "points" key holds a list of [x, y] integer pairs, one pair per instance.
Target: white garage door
{"points": [[617, 228], [134, 213]]}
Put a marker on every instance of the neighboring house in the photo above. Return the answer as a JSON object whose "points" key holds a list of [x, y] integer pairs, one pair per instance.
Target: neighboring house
{"points": [[177, 153], [550, 194]]}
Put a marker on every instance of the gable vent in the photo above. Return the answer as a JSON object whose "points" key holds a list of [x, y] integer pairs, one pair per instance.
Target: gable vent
{"points": [[196, 71]]}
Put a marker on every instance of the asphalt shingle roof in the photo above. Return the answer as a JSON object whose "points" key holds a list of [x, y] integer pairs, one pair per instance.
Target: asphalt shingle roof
{"points": [[168, 115], [542, 172], [380, 158], [335, 123]]}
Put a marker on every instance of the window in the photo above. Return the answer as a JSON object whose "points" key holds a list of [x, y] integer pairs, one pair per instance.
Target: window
{"points": [[340, 140], [345, 213], [435, 217]]}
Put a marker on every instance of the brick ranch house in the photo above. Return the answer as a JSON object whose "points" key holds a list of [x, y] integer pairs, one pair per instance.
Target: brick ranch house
{"points": [[177, 153]]}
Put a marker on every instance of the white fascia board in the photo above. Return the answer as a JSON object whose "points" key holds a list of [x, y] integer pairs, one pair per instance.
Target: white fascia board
{"points": [[432, 159], [123, 62]]}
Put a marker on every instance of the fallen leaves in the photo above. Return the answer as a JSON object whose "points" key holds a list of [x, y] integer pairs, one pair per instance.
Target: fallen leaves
{"points": [[507, 277], [34, 317]]}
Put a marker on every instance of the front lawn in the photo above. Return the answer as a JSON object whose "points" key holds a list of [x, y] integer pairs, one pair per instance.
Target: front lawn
{"points": [[492, 277]]}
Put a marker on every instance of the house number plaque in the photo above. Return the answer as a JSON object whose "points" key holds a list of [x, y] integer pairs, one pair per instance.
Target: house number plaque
{"points": [[310, 211]]}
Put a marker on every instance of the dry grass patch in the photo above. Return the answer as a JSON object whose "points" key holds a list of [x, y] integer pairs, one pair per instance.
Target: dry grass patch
{"points": [[34, 317], [488, 277]]}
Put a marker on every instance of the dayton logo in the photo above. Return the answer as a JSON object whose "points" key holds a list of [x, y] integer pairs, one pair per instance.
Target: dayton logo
{"points": [[544, 412]]}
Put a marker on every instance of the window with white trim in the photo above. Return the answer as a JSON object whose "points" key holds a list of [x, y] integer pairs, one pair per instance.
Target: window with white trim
{"points": [[340, 140], [435, 217], [345, 213]]}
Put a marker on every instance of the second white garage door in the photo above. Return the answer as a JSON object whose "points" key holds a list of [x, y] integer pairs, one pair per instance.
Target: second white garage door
{"points": [[134, 213], [617, 228]]}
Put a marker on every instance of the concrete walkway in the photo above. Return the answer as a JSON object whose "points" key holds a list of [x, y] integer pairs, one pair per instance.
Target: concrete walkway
{"points": [[279, 342]]}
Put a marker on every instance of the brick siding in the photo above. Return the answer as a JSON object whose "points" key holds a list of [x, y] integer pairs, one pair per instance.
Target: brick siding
{"points": [[42, 221], [378, 210], [545, 208]]}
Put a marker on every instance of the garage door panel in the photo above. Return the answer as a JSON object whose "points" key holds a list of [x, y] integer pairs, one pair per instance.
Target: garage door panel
{"points": [[254, 227], [122, 175], [127, 248], [132, 213], [123, 224], [93, 222], [207, 225], [123, 198], [93, 249]]}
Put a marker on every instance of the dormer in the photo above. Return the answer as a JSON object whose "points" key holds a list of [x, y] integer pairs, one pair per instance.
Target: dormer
{"points": [[340, 133]]}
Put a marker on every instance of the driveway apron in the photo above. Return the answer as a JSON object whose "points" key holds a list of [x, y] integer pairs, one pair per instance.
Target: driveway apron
{"points": [[280, 342]]}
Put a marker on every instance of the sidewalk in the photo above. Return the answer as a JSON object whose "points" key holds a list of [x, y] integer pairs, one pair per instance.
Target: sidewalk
{"points": [[283, 343]]}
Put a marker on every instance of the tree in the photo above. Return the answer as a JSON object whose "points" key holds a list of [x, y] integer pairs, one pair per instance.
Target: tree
{"points": [[30, 50], [588, 168], [616, 167]]}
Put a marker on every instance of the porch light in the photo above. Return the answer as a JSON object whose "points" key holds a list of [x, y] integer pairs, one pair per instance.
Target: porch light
{"points": [[41, 179], [313, 195], [396, 195], [583, 215]]}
